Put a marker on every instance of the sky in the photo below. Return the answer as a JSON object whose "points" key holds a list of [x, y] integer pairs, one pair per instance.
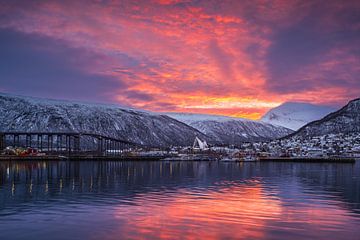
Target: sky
{"points": [[229, 57]]}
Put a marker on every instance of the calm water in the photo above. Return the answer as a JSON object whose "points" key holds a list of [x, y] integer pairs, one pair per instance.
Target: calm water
{"points": [[179, 200]]}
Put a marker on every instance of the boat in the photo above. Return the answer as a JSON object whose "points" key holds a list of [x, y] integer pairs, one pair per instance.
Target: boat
{"points": [[190, 157], [246, 158]]}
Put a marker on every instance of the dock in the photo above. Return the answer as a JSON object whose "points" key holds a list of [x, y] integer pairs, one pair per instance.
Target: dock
{"points": [[80, 158], [309, 159]]}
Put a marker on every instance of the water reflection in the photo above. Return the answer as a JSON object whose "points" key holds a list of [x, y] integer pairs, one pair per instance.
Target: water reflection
{"points": [[112, 200], [224, 212]]}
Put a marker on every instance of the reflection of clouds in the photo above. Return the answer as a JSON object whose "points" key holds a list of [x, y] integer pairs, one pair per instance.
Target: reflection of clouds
{"points": [[240, 212], [193, 200], [236, 211]]}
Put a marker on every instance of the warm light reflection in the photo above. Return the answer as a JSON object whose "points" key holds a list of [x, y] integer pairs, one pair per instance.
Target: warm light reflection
{"points": [[229, 212], [236, 212], [179, 200]]}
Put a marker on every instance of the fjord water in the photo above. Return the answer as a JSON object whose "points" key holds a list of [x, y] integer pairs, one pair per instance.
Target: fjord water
{"points": [[179, 200]]}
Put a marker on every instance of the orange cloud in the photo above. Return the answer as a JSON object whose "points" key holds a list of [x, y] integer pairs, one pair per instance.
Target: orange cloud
{"points": [[206, 56]]}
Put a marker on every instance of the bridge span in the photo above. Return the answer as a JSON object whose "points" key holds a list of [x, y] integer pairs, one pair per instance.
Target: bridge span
{"points": [[67, 143]]}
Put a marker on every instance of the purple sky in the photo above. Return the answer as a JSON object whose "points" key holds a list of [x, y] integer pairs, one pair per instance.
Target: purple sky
{"points": [[236, 58]]}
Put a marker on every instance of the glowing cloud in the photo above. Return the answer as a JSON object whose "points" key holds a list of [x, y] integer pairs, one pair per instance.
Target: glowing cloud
{"points": [[237, 58]]}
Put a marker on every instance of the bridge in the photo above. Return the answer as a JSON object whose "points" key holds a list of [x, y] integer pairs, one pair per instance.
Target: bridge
{"points": [[67, 143]]}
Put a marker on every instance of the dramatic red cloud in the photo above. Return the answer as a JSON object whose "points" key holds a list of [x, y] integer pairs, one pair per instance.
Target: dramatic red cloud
{"points": [[237, 58]]}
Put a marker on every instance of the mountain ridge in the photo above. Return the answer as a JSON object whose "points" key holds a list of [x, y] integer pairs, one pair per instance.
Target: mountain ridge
{"points": [[230, 130], [331, 124], [23, 113], [294, 115], [145, 128]]}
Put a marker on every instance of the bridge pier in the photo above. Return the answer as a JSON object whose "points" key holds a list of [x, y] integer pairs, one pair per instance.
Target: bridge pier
{"points": [[100, 145], [2, 142], [41, 142]]}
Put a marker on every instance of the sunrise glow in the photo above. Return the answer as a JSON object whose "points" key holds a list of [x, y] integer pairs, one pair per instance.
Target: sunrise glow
{"points": [[237, 58]]}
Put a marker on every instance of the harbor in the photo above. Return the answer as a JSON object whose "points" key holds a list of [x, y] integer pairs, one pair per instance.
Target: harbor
{"points": [[180, 120], [176, 157], [27, 146]]}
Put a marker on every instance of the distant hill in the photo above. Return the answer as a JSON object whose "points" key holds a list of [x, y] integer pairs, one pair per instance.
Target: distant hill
{"points": [[345, 120], [19, 113], [294, 115], [230, 130]]}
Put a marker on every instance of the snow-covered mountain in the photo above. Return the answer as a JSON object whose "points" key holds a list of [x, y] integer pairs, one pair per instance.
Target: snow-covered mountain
{"points": [[229, 130], [345, 120], [34, 114], [294, 115]]}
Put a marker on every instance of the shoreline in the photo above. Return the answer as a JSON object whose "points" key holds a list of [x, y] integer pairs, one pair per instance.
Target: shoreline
{"points": [[310, 159], [169, 159]]}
